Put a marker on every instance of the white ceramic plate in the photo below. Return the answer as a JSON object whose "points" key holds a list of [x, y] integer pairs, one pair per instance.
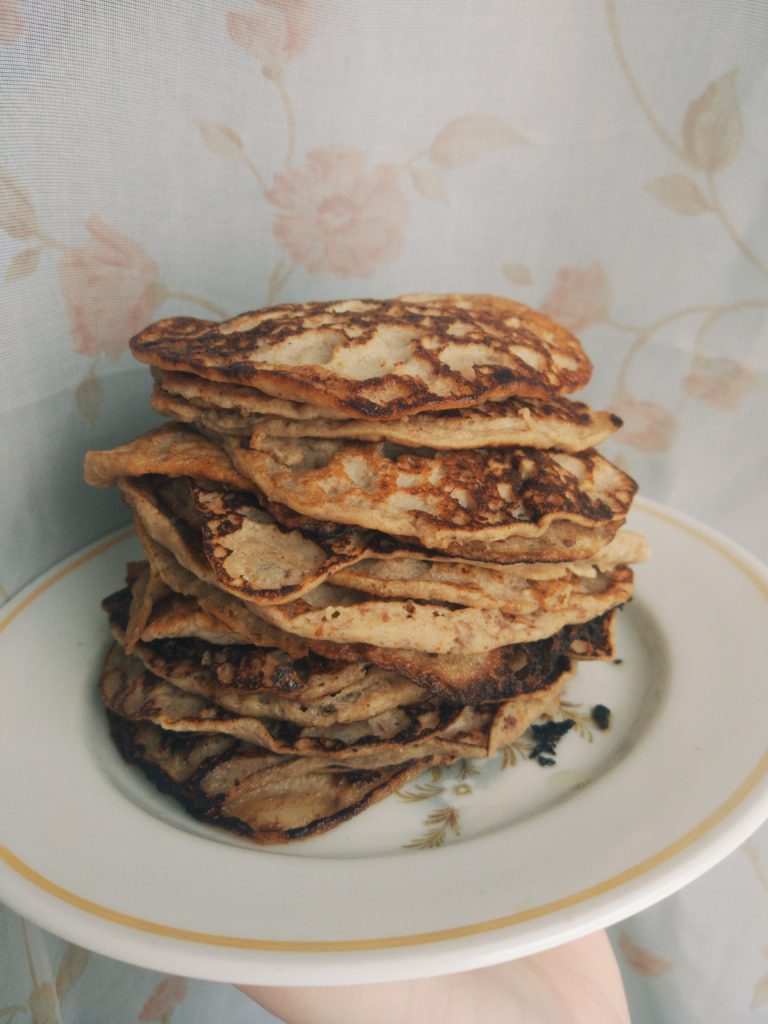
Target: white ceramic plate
{"points": [[460, 871]]}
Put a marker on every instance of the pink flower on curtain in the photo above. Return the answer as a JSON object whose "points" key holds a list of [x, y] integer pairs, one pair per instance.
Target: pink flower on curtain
{"points": [[647, 426], [579, 298], [11, 22], [722, 383], [110, 288], [273, 30], [168, 994], [338, 216]]}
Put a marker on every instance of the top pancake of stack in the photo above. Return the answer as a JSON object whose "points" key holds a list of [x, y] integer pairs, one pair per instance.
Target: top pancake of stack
{"points": [[378, 359]]}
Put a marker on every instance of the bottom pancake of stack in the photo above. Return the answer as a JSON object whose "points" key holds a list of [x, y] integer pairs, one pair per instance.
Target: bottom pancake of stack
{"points": [[253, 731]]}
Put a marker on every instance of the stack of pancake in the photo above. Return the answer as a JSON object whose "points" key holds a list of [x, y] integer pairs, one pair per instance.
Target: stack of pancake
{"points": [[377, 538]]}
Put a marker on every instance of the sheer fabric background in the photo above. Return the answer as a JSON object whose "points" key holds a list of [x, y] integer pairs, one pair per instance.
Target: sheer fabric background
{"points": [[602, 161]]}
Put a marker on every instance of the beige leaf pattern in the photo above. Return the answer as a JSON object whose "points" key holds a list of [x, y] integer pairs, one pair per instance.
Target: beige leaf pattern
{"points": [[421, 791], [641, 959], [89, 396], [517, 273], [712, 127], [277, 279], [22, 264], [9, 1013], [470, 137], [429, 182], [17, 214], [722, 383], [680, 193], [43, 1005], [760, 992], [221, 140], [437, 824], [72, 965]]}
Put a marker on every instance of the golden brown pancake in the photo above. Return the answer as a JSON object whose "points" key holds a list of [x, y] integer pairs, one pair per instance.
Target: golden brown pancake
{"points": [[530, 422], [252, 556], [379, 359], [463, 678], [339, 615], [235, 398], [171, 450], [176, 450], [439, 497]]}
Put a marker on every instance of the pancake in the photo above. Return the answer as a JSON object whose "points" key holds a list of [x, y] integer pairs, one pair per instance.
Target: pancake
{"points": [[378, 359], [171, 450], [175, 450], [521, 589], [439, 497], [234, 398], [147, 589], [378, 539], [462, 678], [562, 541], [255, 557], [248, 554], [530, 422], [176, 617], [268, 798], [177, 644], [263, 684], [252, 556], [433, 728], [340, 615], [311, 689]]}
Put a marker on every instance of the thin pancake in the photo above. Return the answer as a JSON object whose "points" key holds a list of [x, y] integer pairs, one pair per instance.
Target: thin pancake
{"points": [[433, 728], [176, 451], [238, 678], [254, 557], [560, 542], [345, 616], [380, 359], [521, 589], [439, 497], [308, 690], [171, 450], [530, 422], [236, 399], [464, 678], [228, 538], [268, 798]]}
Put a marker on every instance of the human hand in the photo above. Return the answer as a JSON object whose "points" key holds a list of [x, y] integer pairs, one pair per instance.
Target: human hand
{"points": [[577, 983]]}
